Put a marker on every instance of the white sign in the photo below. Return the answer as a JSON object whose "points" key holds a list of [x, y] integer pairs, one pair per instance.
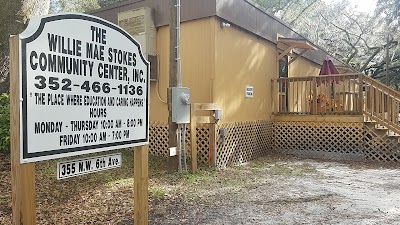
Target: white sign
{"points": [[84, 88], [78, 167], [249, 90], [172, 151]]}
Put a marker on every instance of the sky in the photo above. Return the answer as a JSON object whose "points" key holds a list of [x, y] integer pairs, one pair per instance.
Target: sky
{"points": [[364, 5]]}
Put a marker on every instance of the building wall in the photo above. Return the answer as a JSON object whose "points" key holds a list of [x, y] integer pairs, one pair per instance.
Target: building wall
{"points": [[197, 59], [302, 67], [244, 59], [241, 59], [217, 64]]}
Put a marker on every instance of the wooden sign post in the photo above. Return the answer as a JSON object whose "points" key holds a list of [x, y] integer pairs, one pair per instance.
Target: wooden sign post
{"points": [[79, 85], [22, 175], [141, 184]]}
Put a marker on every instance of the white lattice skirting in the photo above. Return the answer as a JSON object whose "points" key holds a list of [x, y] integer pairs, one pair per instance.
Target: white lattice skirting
{"points": [[245, 141], [340, 141], [249, 140]]}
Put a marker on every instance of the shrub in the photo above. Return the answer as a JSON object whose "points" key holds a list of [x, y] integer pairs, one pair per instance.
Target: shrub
{"points": [[4, 123]]}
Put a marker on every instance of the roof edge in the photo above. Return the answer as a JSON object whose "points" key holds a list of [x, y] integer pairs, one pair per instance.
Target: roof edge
{"points": [[281, 22], [245, 14]]}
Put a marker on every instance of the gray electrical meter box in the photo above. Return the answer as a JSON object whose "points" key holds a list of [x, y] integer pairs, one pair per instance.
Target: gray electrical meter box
{"points": [[180, 105]]}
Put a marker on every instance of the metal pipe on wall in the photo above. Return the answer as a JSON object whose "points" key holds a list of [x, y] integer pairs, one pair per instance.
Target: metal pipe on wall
{"points": [[178, 43], [184, 146], [215, 146], [179, 138]]}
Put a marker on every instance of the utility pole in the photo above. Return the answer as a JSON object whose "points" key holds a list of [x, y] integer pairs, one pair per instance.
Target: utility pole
{"points": [[387, 52], [172, 141], [387, 59]]}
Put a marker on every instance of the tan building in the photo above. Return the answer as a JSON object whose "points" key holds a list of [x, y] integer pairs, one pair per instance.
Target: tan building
{"points": [[230, 46]]}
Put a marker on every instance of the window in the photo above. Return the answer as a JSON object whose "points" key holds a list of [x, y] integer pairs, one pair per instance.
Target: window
{"points": [[284, 66]]}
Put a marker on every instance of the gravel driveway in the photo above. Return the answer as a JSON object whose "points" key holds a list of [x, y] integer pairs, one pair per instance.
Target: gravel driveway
{"points": [[270, 190]]}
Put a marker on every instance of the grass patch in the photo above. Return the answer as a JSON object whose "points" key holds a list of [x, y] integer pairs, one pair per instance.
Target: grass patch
{"points": [[293, 170], [306, 168], [4, 199], [62, 190], [280, 170], [47, 169], [260, 163], [200, 176], [120, 183], [158, 193], [302, 199]]}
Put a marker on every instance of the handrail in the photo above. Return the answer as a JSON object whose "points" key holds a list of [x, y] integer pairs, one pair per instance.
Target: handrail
{"points": [[382, 104], [345, 94], [330, 94], [383, 86], [319, 76]]}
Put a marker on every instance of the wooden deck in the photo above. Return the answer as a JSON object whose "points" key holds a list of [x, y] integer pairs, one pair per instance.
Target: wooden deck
{"points": [[319, 95], [344, 94]]}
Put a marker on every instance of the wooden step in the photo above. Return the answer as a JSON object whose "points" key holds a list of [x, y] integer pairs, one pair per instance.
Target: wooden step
{"points": [[379, 127], [367, 119], [393, 134]]}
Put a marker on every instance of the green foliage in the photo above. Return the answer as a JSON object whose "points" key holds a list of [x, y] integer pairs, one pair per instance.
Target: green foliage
{"points": [[10, 23], [357, 38], [104, 3], [4, 123], [60, 6], [389, 9], [14, 16], [158, 193]]}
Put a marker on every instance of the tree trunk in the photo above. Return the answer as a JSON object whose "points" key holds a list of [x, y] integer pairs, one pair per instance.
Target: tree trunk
{"points": [[13, 16]]}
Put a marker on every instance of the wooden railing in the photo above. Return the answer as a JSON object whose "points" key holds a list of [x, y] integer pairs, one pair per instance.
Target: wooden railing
{"points": [[345, 94], [381, 104], [333, 94]]}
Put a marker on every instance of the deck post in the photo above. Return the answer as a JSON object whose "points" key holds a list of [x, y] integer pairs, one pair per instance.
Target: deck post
{"points": [[315, 96], [360, 94], [274, 97]]}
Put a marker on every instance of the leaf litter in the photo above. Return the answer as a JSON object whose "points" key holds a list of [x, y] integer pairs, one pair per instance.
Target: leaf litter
{"points": [[270, 190]]}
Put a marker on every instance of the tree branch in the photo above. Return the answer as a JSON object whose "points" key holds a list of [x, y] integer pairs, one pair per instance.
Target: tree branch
{"points": [[301, 13]]}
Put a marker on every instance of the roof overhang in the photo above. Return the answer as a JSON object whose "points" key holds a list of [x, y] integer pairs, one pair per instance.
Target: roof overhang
{"points": [[299, 43], [286, 45], [242, 13]]}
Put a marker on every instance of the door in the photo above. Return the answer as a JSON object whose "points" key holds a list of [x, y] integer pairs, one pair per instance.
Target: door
{"points": [[283, 66]]}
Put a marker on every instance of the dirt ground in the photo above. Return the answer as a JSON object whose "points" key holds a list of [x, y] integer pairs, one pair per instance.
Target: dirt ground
{"points": [[270, 190]]}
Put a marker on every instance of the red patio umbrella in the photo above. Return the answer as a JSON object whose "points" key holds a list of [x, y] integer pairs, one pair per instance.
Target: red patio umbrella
{"points": [[328, 69]]}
